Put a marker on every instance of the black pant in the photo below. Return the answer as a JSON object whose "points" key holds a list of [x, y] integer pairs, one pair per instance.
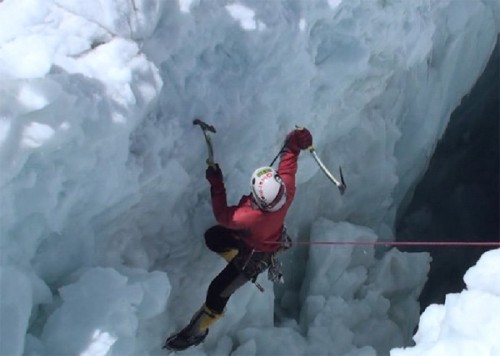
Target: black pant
{"points": [[245, 266]]}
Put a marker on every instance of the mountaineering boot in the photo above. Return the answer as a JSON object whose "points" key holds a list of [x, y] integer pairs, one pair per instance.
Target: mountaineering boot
{"points": [[195, 333], [229, 254]]}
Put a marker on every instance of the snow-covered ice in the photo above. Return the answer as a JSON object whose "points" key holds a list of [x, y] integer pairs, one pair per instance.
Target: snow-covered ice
{"points": [[468, 322]]}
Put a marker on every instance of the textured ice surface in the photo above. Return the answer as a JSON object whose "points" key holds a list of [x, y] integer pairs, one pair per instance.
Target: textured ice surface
{"points": [[103, 201]]}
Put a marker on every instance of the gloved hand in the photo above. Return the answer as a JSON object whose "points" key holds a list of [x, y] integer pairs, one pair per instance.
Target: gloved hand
{"points": [[299, 139], [213, 174]]}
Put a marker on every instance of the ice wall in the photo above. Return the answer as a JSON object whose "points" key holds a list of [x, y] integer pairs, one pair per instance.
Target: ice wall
{"points": [[74, 83], [103, 201]]}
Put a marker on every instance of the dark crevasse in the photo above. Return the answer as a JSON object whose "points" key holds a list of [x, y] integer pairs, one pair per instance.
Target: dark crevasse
{"points": [[458, 198]]}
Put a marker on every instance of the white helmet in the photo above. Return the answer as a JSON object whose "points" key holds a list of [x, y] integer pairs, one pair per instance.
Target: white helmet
{"points": [[268, 189]]}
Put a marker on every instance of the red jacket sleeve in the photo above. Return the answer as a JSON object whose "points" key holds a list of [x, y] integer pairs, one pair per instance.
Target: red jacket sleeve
{"points": [[287, 169], [233, 217]]}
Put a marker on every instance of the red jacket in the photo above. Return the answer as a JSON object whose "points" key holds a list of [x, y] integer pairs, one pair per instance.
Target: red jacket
{"points": [[257, 228]]}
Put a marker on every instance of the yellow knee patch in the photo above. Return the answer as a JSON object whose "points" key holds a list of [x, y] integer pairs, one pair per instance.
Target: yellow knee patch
{"points": [[229, 255]]}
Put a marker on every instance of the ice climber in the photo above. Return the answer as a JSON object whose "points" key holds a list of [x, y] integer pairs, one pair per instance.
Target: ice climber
{"points": [[247, 236]]}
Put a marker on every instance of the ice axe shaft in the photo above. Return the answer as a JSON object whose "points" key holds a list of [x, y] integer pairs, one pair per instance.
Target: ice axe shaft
{"points": [[340, 184], [206, 128]]}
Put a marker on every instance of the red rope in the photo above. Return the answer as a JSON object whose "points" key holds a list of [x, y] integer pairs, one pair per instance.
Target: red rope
{"points": [[396, 243]]}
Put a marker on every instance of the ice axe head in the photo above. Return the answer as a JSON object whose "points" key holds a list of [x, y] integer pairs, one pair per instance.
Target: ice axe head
{"points": [[204, 126]]}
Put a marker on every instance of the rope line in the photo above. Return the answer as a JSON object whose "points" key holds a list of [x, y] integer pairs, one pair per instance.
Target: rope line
{"points": [[395, 243]]}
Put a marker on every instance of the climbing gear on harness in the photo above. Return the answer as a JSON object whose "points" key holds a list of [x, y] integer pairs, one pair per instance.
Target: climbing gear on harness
{"points": [[286, 241], [251, 263], [275, 271]]}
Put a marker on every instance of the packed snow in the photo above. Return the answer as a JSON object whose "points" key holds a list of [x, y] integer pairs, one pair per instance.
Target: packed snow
{"points": [[468, 322], [103, 200]]}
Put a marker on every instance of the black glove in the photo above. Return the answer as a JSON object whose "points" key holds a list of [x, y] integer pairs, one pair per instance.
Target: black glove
{"points": [[299, 139], [213, 174]]}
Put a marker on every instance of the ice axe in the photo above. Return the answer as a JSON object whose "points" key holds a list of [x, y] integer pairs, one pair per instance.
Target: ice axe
{"points": [[340, 184], [206, 128]]}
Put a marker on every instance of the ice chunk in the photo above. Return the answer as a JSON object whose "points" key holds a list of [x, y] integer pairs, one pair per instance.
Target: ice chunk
{"points": [[468, 322], [485, 275], [99, 313], [16, 301], [243, 15], [36, 134]]}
